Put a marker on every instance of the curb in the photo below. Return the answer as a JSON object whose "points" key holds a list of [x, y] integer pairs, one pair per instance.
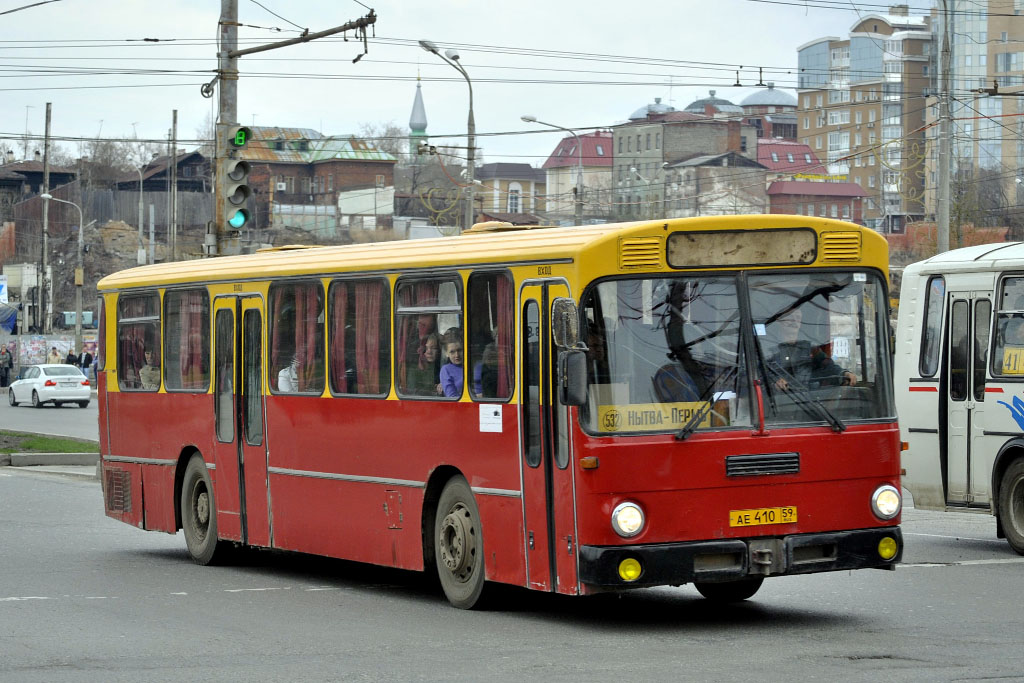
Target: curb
{"points": [[58, 459]]}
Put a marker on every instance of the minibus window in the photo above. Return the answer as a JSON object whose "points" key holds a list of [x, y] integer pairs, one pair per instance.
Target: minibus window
{"points": [[932, 326]]}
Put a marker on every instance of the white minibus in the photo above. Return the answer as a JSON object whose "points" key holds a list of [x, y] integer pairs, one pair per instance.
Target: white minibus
{"points": [[959, 380]]}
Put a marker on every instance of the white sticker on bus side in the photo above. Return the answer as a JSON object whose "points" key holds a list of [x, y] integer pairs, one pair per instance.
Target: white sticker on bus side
{"points": [[490, 417]]}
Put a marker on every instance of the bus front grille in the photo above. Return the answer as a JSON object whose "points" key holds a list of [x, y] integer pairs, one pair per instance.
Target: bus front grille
{"points": [[840, 246], [760, 464], [640, 252]]}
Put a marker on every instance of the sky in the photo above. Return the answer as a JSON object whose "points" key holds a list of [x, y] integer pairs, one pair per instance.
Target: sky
{"points": [[118, 68]]}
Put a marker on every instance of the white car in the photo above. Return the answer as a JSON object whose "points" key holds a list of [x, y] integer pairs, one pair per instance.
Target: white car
{"points": [[50, 383]]}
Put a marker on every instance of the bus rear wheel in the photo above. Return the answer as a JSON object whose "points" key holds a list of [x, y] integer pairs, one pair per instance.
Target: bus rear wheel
{"points": [[458, 545], [1011, 505], [730, 591], [199, 514]]}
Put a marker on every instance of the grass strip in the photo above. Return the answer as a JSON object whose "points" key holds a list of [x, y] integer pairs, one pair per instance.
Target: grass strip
{"points": [[19, 442]]}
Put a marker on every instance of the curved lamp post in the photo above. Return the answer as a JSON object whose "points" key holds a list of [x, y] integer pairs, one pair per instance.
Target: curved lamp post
{"points": [[79, 272], [647, 200], [579, 170], [451, 57]]}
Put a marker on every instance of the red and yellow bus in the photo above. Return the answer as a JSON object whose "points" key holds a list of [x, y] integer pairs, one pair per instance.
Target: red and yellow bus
{"points": [[635, 405]]}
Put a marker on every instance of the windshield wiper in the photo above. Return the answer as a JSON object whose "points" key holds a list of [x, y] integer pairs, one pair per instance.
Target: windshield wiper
{"points": [[803, 397], [698, 417]]}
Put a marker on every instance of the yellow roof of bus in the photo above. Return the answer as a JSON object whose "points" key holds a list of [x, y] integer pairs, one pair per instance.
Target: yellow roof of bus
{"points": [[487, 246]]}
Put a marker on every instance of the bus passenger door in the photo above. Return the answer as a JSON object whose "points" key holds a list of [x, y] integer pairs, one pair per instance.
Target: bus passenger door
{"points": [[969, 325], [548, 494], [241, 455]]}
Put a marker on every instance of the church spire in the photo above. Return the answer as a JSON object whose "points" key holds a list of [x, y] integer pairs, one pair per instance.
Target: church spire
{"points": [[417, 120]]}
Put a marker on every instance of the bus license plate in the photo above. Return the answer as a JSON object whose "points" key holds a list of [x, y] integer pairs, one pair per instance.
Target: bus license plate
{"points": [[783, 515]]}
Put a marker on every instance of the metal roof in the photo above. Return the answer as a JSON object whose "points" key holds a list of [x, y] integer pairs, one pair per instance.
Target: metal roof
{"points": [[306, 146]]}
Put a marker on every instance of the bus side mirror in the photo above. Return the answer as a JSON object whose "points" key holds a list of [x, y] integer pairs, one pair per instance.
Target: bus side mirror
{"points": [[565, 323], [572, 377]]}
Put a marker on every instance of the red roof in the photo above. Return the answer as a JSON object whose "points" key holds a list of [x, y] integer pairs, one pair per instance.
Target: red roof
{"points": [[796, 187], [785, 156], [597, 151]]}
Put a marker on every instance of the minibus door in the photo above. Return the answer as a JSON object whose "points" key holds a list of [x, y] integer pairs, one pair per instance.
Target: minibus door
{"points": [[969, 324], [241, 456], [548, 496]]}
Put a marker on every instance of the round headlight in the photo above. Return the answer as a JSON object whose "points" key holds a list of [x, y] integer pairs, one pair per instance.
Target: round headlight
{"points": [[886, 502], [627, 519]]}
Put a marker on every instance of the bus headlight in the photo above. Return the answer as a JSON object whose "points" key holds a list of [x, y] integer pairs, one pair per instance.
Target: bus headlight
{"points": [[627, 519], [886, 502]]}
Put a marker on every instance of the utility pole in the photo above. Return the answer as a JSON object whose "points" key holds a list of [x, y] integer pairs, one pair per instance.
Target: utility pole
{"points": [[44, 327], [222, 238], [174, 188], [945, 146]]}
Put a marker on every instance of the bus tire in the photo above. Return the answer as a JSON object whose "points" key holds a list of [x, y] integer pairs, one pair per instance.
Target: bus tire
{"points": [[199, 513], [1011, 505], [458, 545], [730, 591]]}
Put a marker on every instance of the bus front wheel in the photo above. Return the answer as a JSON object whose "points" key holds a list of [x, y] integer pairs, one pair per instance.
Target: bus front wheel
{"points": [[1011, 505], [730, 591], [199, 514], [458, 545]]}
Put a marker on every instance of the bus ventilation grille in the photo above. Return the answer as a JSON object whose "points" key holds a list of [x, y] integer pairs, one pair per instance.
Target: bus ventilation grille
{"points": [[640, 252], [840, 246], [118, 488], [771, 463]]}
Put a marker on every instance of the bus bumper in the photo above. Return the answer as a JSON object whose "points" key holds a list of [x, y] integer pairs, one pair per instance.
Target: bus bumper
{"points": [[731, 559]]}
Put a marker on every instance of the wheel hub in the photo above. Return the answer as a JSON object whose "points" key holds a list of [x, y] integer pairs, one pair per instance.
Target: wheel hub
{"points": [[203, 508], [453, 541]]}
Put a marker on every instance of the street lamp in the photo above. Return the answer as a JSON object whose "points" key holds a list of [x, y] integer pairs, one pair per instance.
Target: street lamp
{"points": [[579, 171], [141, 255], [451, 57], [79, 272], [647, 199]]}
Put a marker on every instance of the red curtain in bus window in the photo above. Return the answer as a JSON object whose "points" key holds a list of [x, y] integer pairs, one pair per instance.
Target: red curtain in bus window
{"points": [[192, 340], [340, 306], [132, 341], [306, 314], [504, 335], [369, 296], [276, 300]]}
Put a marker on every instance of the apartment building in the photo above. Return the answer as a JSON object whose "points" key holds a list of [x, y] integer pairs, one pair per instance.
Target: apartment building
{"points": [[861, 107]]}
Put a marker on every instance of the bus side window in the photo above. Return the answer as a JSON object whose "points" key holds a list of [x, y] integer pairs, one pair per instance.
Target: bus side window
{"points": [[138, 331], [297, 337], [931, 333], [982, 325]]}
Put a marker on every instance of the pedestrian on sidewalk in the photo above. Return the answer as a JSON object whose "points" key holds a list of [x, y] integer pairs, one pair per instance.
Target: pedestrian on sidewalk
{"points": [[54, 356], [6, 364]]}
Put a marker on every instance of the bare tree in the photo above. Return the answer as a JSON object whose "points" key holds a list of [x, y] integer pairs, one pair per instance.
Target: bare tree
{"points": [[388, 137]]}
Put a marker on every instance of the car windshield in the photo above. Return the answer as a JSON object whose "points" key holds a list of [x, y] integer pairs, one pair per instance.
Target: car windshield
{"points": [[671, 353], [62, 371]]}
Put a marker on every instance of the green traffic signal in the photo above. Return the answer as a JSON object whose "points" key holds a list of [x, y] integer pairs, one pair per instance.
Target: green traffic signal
{"points": [[238, 219], [240, 137]]}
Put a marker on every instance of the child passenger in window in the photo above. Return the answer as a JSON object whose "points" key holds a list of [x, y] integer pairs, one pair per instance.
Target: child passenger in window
{"points": [[451, 373], [423, 377]]}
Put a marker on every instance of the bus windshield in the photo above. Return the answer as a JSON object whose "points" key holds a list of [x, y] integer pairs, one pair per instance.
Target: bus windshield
{"points": [[671, 353]]}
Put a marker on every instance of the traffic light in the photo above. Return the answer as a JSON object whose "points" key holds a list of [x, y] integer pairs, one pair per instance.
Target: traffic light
{"points": [[234, 181]]}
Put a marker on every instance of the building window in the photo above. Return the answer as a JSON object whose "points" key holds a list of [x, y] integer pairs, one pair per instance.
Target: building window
{"points": [[789, 157], [775, 157], [871, 181], [657, 141], [807, 158], [817, 142], [835, 211], [846, 212], [648, 141], [638, 142], [515, 192], [330, 182], [620, 145], [629, 144], [600, 151], [807, 122], [818, 100]]}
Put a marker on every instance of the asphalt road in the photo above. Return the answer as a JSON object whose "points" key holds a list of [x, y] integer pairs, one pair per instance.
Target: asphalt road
{"points": [[85, 598], [68, 420]]}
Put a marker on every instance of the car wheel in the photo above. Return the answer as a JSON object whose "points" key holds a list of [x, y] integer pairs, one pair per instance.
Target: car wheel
{"points": [[730, 591], [458, 544], [199, 515], [35, 400], [83, 404], [10, 397]]}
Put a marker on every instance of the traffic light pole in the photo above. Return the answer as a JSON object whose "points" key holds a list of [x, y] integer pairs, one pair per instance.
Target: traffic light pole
{"points": [[221, 238]]}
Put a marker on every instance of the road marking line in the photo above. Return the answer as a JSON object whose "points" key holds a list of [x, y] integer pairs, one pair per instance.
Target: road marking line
{"points": [[957, 538], [243, 590], [27, 597], [1007, 560]]}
